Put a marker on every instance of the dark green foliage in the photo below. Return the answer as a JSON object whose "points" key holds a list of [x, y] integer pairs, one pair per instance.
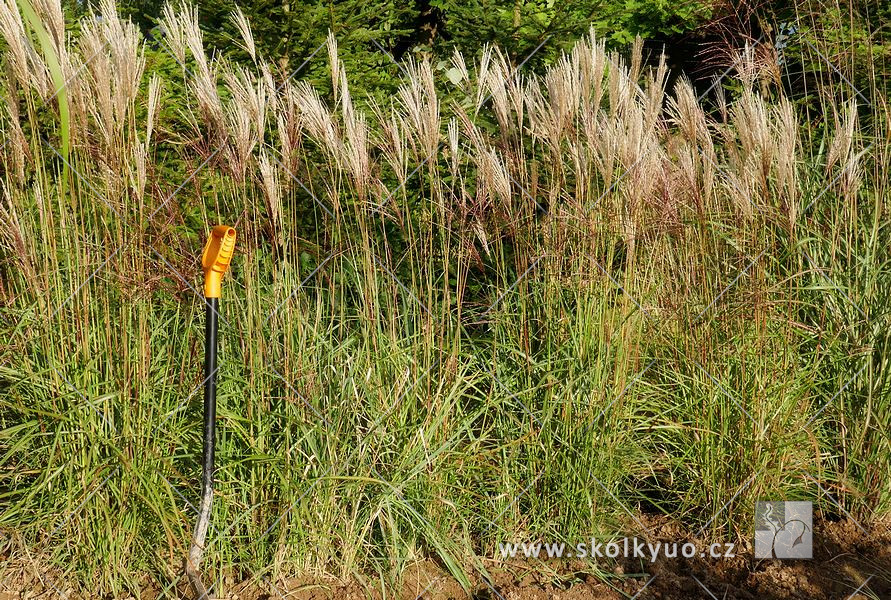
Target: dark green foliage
{"points": [[520, 27], [290, 32]]}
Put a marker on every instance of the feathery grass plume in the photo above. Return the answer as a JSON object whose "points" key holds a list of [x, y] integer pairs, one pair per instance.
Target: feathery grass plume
{"points": [[541, 119], [454, 147], [697, 158], [286, 146], [852, 177], [241, 140], [356, 156], [786, 140], [138, 168], [478, 229], [685, 171], [246, 41], [686, 112], [462, 78], [636, 58], [99, 83], [745, 64], [751, 122], [245, 116], [317, 120], [50, 13], [289, 125], [605, 138], [420, 102], [843, 141], [173, 32], [621, 89], [155, 87], [18, 49], [334, 63], [740, 186], [250, 94], [586, 174], [355, 147], [471, 131], [516, 88], [707, 158], [347, 110], [17, 147], [79, 89], [752, 157], [321, 128], [392, 140], [842, 152], [55, 57], [204, 80], [495, 177], [17, 239], [592, 61], [127, 58], [561, 84], [268, 80], [720, 98], [483, 64], [656, 81], [269, 181], [495, 83], [505, 89]]}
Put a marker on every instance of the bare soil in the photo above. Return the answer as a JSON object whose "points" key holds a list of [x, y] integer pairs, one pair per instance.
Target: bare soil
{"points": [[848, 563]]}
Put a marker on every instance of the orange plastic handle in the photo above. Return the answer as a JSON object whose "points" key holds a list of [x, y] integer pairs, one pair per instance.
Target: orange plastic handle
{"points": [[216, 257]]}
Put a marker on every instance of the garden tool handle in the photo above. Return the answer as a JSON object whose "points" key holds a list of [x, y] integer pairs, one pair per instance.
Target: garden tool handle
{"points": [[216, 258]]}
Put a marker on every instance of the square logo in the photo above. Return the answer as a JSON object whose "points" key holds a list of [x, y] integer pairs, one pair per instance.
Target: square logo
{"points": [[783, 529]]}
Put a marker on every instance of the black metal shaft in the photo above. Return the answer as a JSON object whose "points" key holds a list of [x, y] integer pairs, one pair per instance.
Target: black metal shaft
{"points": [[210, 394]]}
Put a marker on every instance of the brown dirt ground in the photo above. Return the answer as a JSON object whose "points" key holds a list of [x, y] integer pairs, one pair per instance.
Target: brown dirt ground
{"points": [[848, 564]]}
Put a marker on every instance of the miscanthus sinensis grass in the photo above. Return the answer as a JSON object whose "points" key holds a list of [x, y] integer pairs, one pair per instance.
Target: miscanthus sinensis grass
{"points": [[500, 306]]}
